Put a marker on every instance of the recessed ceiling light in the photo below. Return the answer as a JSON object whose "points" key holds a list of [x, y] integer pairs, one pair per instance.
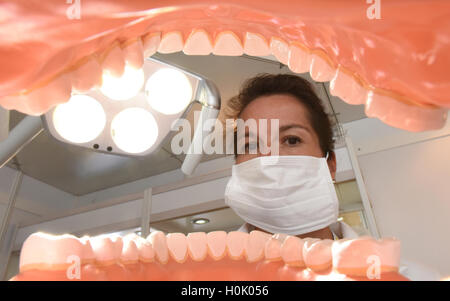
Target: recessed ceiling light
{"points": [[200, 221]]}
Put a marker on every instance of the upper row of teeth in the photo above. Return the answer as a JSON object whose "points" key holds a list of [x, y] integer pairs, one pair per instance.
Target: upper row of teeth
{"points": [[44, 251], [87, 73], [227, 43]]}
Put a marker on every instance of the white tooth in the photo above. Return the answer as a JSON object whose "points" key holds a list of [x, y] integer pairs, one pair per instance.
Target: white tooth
{"points": [[171, 42], [146, 252], [217, 244], [150, 43], [56, 92], [320, 70], [280, 49], [280, 237], [89, 255], [228, 44], [197, 245], [130, 252], [317, 254], [402, 115], [347, 88], [236, 242], [49, 252], [11, 102], [133, 53], [198, 43], [272, 249], [292, 251], [178, 246], [118, 244], [256, 45], [105, 250], [386, 252], [144, 247], [299, 59], [41, 99], [113, 61], [87, 75], [159, 244], [255, 245]]}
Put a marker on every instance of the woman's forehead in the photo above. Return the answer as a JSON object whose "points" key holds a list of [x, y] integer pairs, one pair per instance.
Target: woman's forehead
{"points": [[286, 108]]}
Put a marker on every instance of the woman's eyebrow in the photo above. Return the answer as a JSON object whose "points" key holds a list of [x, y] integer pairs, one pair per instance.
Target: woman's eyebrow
{"points": [[293, 125]]}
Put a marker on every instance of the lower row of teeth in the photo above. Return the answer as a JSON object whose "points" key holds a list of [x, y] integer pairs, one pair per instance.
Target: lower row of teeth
{"points": [[48, 252]]}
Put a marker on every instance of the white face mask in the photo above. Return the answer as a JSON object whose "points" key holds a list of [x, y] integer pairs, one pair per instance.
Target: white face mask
{"points": [[283, 194]]}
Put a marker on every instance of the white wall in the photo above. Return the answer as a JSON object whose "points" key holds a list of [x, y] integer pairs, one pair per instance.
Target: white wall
{"points": [[410, 190], [407, 178]]}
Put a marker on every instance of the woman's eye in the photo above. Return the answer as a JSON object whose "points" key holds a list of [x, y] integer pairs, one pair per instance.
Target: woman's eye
{"points": [[292, 140]]}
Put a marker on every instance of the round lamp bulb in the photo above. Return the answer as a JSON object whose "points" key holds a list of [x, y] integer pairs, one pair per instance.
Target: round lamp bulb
{"points": [[168, 91], [134, 130], [79, 120]]}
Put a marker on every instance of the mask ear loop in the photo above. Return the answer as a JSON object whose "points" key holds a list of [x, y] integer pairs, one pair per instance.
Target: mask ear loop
{"points": [[326, 158]]}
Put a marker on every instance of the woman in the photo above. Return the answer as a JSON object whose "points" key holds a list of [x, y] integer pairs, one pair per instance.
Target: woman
{"points": [[304, 129], [290, 191]]}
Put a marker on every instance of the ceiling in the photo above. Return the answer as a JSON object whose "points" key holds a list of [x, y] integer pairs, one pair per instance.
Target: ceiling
{"points": [[80, 171]]}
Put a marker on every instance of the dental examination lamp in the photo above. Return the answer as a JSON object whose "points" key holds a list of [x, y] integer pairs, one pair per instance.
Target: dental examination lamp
{"points": [[130, 115]]}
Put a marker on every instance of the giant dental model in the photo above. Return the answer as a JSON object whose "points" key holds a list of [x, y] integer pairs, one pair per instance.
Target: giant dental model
{"points": [[397, 66], [207, 256], [393, 58]]}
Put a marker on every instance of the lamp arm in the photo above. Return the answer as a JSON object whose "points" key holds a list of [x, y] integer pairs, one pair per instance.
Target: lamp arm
{"points": [[209, 97]]}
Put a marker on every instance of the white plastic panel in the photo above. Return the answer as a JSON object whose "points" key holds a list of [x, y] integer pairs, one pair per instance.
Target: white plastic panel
{"points": [[410, 193]]}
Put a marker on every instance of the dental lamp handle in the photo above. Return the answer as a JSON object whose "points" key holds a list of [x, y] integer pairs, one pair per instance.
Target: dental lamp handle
{"points": [[201, 134]]}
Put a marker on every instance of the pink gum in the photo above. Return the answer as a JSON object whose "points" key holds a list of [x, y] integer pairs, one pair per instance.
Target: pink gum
{"points": [[207, 270]]}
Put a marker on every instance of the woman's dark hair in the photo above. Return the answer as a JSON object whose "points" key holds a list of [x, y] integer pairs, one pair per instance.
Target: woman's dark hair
{"points": [[269, 84]]}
